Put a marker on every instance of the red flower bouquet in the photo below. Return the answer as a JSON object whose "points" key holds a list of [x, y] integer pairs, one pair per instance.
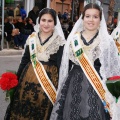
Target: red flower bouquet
{"points": [[113, 85], [8, 82]]}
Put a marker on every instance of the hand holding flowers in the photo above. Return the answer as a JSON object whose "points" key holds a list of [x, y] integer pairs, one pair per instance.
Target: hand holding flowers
{"points": [[113, 85], [8, 82]]}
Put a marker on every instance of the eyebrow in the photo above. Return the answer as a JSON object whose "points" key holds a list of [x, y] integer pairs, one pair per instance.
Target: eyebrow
{"points": [[46, 19], [93, 14]]}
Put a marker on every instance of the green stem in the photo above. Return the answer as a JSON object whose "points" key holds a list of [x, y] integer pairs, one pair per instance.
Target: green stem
{"points": [[9, 94], [116, 100]]}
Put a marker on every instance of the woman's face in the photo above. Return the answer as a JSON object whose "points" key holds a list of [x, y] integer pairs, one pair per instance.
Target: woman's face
{"points": [[91, 19], [47, 23]]}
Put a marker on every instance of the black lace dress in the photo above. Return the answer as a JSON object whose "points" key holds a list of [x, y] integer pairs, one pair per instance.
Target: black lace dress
{"points": [[79, 101], [30, 102]]}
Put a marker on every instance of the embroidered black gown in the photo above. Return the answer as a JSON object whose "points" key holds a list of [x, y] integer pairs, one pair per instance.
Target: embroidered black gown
{"points": [[30, 102], [78, 100]]}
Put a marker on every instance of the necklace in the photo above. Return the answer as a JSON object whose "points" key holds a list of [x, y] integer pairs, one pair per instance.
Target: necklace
{"points": [[91, 41]]}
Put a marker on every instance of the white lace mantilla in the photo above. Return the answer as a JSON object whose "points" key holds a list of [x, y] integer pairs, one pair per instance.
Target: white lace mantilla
{"points": [[92, 51], [108, 56], [49, 48]]}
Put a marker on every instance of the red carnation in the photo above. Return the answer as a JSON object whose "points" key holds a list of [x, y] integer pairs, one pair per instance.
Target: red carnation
{"points": [[114, 78], [113, 85], [8, 80]]}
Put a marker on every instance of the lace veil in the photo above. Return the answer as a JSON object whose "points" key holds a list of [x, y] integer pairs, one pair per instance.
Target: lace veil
{"points": [[110, 64], [116, 32], [56, 29]]}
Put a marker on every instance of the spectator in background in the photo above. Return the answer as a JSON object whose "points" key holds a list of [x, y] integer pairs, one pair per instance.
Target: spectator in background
{"points": [[110, 26], [11, 12], [33, 14], [65, 15], [21, 38], [29, 27], [70, 27], [5, 12], [17, 10], [65, 27], [8, 28], [76, 18], [23, 12], [29, 24], [59, 15]]}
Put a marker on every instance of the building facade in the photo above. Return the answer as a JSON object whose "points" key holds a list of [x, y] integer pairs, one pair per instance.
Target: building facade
{"points": [[58, 5], [75, 7]]}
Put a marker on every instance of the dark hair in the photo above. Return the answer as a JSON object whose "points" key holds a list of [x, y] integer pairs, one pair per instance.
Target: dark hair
{"points": [[28, 19], [92, 5], [48, 11], [22, 7]]}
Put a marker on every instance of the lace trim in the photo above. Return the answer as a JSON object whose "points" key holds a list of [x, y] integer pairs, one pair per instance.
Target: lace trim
{"points": [[92, 51], [50, 47]]}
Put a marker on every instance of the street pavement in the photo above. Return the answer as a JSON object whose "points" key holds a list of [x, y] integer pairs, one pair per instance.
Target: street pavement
{"points": [[11, 51], [9, 59]]}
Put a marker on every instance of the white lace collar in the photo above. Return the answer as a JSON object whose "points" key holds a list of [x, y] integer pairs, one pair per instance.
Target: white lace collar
{"points": [[50, 47], [92, 51]]}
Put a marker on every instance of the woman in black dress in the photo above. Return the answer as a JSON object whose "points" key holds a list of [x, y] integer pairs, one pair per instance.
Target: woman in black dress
{"points": [[38, 72], [94, 56]]}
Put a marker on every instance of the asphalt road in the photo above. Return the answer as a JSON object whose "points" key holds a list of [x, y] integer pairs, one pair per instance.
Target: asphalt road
{"points": [[7, 63]]}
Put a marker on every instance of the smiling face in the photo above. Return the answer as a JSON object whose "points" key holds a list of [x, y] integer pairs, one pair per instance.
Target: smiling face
{"points": [[47, 23], [91, 19]]}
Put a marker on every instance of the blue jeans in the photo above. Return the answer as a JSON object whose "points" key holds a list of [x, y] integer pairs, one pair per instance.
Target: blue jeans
{"points": [[20, 39]]}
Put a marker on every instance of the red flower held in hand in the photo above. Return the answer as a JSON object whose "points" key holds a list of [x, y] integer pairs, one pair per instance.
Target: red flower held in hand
{"points": [[114, 78], [8, 80], [113, 85]]}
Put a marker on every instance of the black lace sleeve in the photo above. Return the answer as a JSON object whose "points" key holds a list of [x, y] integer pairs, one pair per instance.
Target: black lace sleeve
{"points": [[24, 61]]}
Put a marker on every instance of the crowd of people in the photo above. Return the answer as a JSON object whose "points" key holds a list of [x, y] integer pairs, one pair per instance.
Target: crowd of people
{"points": [[18, 26], [13, 16], [64, 77]]}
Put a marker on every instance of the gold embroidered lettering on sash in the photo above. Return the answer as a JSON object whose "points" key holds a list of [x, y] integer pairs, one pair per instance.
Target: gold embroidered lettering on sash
{"points": [[45, 82]]}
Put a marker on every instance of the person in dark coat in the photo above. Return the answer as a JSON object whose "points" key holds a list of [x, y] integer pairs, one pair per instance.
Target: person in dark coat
{"points": [[33, 14], [29, 25], [8, 28], [30, 101], [11, 12]]}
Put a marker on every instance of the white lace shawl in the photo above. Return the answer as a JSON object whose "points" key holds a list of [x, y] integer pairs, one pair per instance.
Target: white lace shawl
{"points": [[114, 33], [110, 64], [92, 51], [50, 47]]}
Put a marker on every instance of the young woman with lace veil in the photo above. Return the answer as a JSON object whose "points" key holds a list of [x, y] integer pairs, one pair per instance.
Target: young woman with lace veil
{"points": [[38, 71], [82, 92], [116, 36]]}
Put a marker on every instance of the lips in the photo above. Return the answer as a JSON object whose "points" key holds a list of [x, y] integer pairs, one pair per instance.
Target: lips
{"points": [[46, 27], [91, 24]]}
